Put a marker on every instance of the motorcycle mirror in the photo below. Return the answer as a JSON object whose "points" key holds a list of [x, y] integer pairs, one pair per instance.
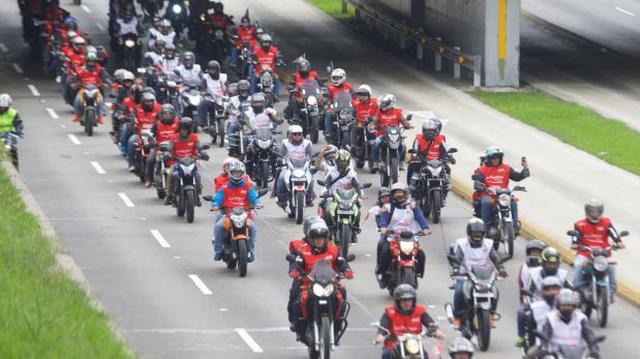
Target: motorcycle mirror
{"points": [[350, 257], [208, 198], [409, 117], [290, 257], [520, 188], [572, 233], [322, 183], [366, 185], [205, 147], [453, 150], [624, 233], [262, 192], [541, 336]]}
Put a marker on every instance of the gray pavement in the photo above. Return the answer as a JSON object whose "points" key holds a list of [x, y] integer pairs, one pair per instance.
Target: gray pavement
{"points": [[149, 290]]}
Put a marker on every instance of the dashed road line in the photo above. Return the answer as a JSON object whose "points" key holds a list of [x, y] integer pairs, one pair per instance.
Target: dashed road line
{"points": [[85, 8], [200, 284], [625, 11], [158, 236], [34, 90], [3, 47], [74, 139], [249, 340], [100, 27], [52, 113], [18, 69], [126, 200], [98, 168]]}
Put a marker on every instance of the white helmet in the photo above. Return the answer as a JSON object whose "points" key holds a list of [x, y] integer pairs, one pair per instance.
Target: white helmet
{"points": [[364, 88], [128, 75], [386, 102], [294, 129], [338, 76], [5, 100]]}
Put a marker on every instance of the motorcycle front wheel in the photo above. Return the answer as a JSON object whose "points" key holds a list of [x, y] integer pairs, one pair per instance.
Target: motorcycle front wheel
{"points": [[299, 206], [436, 206], [344, 239], [602, 307], [242, 258], [325, 344], [189, 204], [483, 327], [89, 121]]}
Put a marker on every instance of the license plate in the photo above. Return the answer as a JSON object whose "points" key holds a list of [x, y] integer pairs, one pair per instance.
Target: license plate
{"points": [[483, 295], [345, 211], [299, 187], [322, 301]]}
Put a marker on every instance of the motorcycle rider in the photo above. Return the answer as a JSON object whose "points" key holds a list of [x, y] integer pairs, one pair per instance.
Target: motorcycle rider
{"points": [[164, 32], [303, 73], [236, 193], [533, 251], [189, 72], [383, 205], [216, 83], [266, 57], [388, 115], [594, 231], [550, 267], [144, 116], [428, 146], [298, 148], [538, 309], [473, 250], [404, 317], [495, 174], [567, 326], [223, 178], [402, 215], [184, 144], [366, 109], [10, 120], [241, 98], [461, 348], [90, 74], [219, 19], [169, 61], [319, 248], [163, 130], [153, 57], [338, 84], [245, 33], [326, 161]]}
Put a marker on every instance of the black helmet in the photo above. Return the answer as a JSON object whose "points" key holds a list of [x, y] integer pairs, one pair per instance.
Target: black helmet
{"points": [[475, 231], [594, 209], [343, 161], [304, 66], [461, 345], [318, 229], [532, 246], [243, 87], [384, 191], [550, 258], [213, 67], [403, 292], [186, 123], [308, 222], [167, 113], [148, 100]]}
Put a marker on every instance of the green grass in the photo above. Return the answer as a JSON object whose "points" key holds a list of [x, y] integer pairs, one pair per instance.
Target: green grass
{"points": [[334, 8], [43, 313], [611, 140]]}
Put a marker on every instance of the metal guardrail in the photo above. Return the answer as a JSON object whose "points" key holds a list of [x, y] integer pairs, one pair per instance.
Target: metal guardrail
{"points": [[441, 50]]}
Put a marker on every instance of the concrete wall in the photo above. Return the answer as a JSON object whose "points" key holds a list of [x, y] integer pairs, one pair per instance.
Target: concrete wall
{"points": [[474, 26]]}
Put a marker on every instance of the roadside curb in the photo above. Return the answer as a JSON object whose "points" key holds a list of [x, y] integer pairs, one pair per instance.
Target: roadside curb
{"points": [[65, 262], [530, 231]]}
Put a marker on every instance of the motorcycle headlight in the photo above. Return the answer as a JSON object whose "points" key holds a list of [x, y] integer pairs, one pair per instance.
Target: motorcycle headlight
{"points": [[406, 247], [394, 137], [320, 291], [435, 171], [298, 173], [264, 144], [412, 346], [195, 100], [129, 43], [600, 263], [345, 205], [312, 101], [187, 169], [177, 9], [504, 200], [238, 220]]}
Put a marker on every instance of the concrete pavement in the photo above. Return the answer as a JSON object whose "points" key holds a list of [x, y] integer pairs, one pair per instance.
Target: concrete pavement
{"points": [[157, 295]]}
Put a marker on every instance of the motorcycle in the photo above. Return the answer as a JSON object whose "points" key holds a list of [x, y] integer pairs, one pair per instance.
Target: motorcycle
{"points": [[10, 143], [177, 14], [89, 105], [144, 144], [580, 351], [262, 149], [343, 212], [189, 100], [309, 115], [235, 139], [480, 293], [245, 60], [266, 85], [502, 229], [327, 316], [215, 127], [186, 191], [298, 182], [343, 120], [404, 247], [390, 155], [365, 135], [429, 191], [595, 293], [129, 52], [215, 45], [409, 346], [161, 171]]}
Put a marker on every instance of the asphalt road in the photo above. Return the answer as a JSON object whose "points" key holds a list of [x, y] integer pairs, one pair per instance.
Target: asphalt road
{"points": [[154, 272]]}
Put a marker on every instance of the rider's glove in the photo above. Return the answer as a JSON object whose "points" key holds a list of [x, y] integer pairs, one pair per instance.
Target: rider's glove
{"points": [[294, 274], [348, 274], [204, 156]]}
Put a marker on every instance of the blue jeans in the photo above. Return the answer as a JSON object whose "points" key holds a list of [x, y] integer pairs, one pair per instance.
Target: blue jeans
{"points": [[578, 277], [521, 323], [386, 354], [254, 84], [204, 109], [220, 235], [375, 149], [234, 56], [486, 211], [125, 133], [459, 304], [131, 150], [77, 110]]}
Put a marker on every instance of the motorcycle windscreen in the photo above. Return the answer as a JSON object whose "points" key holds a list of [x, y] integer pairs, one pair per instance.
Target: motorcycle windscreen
{"points": [[484, 272], [323, 273], [264, 134], [342, 100], [310, 88]]}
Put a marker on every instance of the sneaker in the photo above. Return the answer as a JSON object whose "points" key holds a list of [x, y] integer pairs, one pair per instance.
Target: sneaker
{"points": [[75, 118], [494, 319], [281, 204], [101, 120], [218, 257], [457, 323], [380, 280], [519, 342], [147, 184], [251, 257], [132, 169], [198, 201]]}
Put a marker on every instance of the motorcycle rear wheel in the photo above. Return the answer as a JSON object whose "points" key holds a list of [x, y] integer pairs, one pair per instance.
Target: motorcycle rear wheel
{"points": [[313, 131]]}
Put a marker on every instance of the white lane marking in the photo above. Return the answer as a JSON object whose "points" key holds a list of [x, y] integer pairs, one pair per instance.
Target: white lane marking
{"points": [[98, 168], [247, 339], [85, 8], [52, 113], [625, 11], [200, 284], [34, 90], [158, 236], [74, 139], [63, 126], [126, 200], [3, 47], [99, 26], [18, 68]]}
